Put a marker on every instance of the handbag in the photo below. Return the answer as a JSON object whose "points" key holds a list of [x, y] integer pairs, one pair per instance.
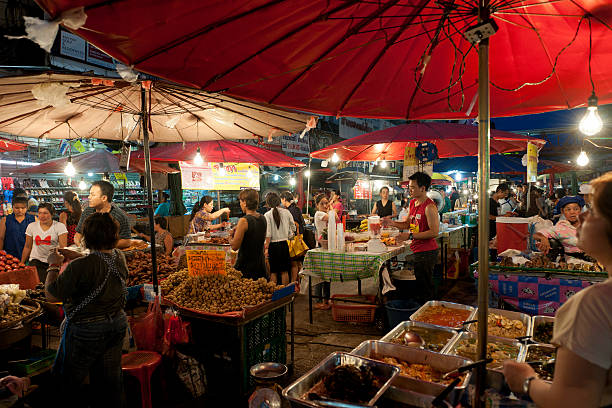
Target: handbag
{"points": [[297, 246]]}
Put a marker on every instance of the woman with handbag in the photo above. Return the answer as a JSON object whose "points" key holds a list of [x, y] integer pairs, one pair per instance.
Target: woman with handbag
{"points": [[280, 228], [297, 245], [93, 291]]}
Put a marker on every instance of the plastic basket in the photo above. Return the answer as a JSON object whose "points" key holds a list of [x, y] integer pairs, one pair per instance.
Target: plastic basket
{"points": [[353, 312], [38, 361]]}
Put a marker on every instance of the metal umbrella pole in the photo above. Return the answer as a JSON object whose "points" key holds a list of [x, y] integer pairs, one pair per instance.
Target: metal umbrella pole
{"points": [[147, 157], [483, 204], [308, 185]]}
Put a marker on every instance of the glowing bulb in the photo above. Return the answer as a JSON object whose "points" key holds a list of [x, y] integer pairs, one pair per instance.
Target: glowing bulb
{"points": [[82, 185], [458, 176], [591, 123], [383, 164], [465, 191], [475, 196], [335, 158], [197, 159], [90, 174], [292, 181], [91, 149], [69, 170], [276, 177], [221, 170], [538, 183], [307, 173], [582, 159]]}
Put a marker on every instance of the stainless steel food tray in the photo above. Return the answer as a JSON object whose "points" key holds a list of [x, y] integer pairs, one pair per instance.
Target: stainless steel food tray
{"points": [[415, 315], [377, 349], [524, 318], [411, 398], [495, 376], [297, 390], [406, 325], [535, 321], [543, 345]]}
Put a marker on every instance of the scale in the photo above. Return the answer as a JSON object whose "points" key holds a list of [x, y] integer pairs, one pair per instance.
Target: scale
{"points": [[374, 227]]}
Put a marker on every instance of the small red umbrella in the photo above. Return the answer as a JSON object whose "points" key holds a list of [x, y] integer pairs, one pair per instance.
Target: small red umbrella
{"points": [[221, 151], [7, 145], [451, 139]]}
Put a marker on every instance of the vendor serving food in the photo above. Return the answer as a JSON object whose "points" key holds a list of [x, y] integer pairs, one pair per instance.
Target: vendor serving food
{"points": [[583, 325], [565, 230]]}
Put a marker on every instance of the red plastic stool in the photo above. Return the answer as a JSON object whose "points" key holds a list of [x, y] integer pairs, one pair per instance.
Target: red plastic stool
{"points": [[141, 365]]}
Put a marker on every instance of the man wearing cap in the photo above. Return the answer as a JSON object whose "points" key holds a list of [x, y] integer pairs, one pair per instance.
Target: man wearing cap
{"points": [[565, 230]]}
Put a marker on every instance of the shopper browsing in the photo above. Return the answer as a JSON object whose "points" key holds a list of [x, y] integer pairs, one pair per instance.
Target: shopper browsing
{"points": [[583, 325], [424, 225], [249, 236], [71, 216], [42, 238], [203, 217], [101, 201], [298, 219], [13, 228], [321, 217], [93, 291], [280, 228]]}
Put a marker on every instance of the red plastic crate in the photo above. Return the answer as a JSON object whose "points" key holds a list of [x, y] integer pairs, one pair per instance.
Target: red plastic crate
{"points": [[352, 312]]}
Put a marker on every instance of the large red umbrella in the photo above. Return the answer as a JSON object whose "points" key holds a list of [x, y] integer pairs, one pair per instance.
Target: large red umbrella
{"points": [[451, 139], [96, 161], [222, 151], [383, 59], [7, 145]]}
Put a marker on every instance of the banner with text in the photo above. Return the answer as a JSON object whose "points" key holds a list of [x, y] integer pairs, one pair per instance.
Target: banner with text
{"points": [[532, 163], [209, 176]]}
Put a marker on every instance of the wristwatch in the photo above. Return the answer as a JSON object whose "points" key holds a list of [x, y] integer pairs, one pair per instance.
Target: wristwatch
{"points": [[411, 236], [527, 383]]}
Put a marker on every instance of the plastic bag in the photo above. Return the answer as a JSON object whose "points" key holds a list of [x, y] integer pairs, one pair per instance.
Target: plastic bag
{"points": [[148, 330], [176, 331], [192, 374]]}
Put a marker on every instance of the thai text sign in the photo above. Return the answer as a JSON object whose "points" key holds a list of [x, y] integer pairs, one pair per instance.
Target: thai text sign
{"points": [[532, 163], [210, 176], [202, 262]]}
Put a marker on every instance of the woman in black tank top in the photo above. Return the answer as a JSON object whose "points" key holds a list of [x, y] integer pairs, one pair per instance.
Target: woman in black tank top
{"points": [[384, 207], [249, 237]]}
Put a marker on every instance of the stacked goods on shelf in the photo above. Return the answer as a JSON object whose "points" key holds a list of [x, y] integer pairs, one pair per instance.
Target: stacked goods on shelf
{"points": [[216, 293]]}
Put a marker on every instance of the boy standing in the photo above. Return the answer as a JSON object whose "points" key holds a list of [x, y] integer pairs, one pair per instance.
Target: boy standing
{"points": [[13, 227]]}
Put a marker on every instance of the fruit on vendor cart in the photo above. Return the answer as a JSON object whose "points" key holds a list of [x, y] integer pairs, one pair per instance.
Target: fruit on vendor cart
{"points": [[9, 263], [140, 267], [216, 293]]}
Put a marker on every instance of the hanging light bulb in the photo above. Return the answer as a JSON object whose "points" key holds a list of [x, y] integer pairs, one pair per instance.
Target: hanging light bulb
{"points": [[292, 181], [465, 191], [335, 158], [197, 159], [591, 123], [582, 159], [221, 170], [307, 173], [82, 185], [69, 170], [276, 177], [475, 196], [458, 176], [383, 164], [90, 174]]}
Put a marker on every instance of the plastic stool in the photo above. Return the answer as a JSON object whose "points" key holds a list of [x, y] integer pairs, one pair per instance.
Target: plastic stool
{"points": [[141, 365]]}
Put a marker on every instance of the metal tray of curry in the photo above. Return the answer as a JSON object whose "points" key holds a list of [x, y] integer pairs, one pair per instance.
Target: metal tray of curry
{"points": [[420, 370], [436, 337], [542, 328], [443, 314], [505, 323], [498, 348]]}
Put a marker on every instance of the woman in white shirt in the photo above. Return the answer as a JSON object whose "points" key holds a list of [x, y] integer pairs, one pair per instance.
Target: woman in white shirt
{"points": [[322, 290], [583, 326], [279, 229], [42, 238]]}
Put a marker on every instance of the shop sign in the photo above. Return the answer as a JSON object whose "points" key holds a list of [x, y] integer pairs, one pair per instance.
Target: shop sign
{"points": [[205, 262], [294, 146], [72, 45], [351, 127], [209, 176], [362, 191], [97, 57], [532, 163]]}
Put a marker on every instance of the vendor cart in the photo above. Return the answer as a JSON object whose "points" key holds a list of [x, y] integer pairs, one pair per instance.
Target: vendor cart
{"points": [[229, 345], [537, 291]]}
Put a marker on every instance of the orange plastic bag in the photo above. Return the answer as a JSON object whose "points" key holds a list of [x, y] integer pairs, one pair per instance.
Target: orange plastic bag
{"points": [[148, 330]]}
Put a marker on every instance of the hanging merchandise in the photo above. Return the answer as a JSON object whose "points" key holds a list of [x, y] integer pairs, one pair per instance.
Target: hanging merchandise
{"points": [[426, 152], [532, 163]]}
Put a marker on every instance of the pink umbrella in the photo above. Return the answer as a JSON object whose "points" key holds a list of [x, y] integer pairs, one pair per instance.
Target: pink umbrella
{"points": [[221, 151], [451, 139]]}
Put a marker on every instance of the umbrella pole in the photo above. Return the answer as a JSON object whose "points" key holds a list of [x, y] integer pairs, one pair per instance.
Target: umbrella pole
{"points": [[147, 154], [308, 186], [483, 205]]}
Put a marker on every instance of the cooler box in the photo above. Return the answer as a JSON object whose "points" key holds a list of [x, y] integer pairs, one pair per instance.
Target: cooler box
{"points": [[512, 233]]}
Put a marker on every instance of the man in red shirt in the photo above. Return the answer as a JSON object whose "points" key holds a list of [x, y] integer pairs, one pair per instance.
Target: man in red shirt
{"points": [[424, 225]]}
